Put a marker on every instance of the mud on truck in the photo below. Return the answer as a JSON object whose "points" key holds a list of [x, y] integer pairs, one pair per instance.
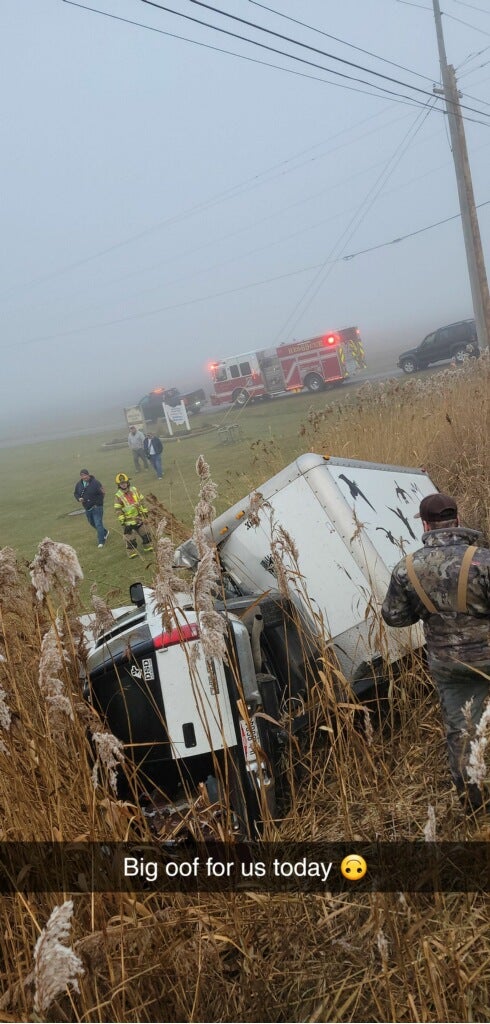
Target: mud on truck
{"points": [[227, 728]]}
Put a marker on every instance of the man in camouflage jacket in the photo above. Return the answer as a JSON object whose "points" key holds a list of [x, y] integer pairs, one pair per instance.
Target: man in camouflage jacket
{"points": [[446, 583]]}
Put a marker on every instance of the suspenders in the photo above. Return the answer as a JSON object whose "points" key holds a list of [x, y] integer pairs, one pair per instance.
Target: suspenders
{"points": [[462, 583]]}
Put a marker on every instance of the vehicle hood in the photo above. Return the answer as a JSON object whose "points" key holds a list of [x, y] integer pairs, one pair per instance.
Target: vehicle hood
{"points": [[408, 352]]}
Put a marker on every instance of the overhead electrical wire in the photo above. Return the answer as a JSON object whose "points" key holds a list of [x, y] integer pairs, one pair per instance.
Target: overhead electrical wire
{"points": [[404, 101], [239, 288], [295, 42], [343, 240], [230, 193], [472, 7], [337, 39], [467, 23], [379, 94]]}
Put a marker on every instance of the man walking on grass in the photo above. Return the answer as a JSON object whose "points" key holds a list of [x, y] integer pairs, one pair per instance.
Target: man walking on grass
{"points": [[153, 452], [90, 493], [136, 445], [446, 583]]}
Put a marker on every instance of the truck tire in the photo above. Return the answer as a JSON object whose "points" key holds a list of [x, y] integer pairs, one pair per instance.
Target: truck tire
{"points": [[240, 398], [409, 365], [314, 382]]}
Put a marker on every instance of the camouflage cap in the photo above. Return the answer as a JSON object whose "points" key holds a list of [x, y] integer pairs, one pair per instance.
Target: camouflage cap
{"points": [[437, 506]]}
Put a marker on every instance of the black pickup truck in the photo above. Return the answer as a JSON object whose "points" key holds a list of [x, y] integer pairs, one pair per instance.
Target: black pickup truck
{"points": [[151, 405]]}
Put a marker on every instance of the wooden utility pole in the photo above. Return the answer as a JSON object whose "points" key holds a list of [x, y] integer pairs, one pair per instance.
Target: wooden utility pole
{"points": [[471, 231]]}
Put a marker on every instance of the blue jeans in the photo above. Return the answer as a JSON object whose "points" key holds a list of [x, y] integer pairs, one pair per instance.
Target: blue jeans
{"points": [[156, 461], [94, 516]]}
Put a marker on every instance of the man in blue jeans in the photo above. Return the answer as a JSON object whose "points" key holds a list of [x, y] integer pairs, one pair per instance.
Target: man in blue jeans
{"points": [[153, 451], [90, 493]]}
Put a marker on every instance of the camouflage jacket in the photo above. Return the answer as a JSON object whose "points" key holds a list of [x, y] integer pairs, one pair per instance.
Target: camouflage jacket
{"points": [[450, 635]]}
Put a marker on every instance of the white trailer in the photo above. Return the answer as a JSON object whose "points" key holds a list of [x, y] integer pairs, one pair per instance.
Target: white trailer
{"points": [[351, 522]]}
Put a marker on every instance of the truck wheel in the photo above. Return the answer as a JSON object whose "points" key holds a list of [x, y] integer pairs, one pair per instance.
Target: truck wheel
{"points": [[409, 366], [314, 382], [240, 398]]}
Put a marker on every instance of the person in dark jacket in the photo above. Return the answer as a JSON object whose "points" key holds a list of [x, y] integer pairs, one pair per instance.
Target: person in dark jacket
{"points": [[90, 493], [153, 450], [446, 583]]}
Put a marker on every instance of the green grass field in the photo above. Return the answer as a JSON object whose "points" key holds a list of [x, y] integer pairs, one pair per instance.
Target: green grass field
{"points": [[39, 480]]}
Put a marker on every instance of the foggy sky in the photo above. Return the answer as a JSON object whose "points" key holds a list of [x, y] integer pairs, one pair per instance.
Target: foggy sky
{"points": [[167, 204]]}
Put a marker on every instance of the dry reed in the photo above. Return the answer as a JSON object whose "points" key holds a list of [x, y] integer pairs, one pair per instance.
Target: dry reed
{"points": [[253, 956]]}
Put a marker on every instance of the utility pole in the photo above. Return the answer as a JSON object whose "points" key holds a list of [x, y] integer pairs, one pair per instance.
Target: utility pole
{"points": [[471, 231]]}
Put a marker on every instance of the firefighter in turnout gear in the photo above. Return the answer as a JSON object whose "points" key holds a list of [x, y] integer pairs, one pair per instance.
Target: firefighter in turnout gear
{"points": [[132, 514], [446, 583]]}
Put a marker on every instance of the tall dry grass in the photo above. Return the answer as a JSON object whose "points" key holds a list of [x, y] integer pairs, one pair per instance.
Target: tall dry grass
{"points": [[441, 422], [256, 956]]}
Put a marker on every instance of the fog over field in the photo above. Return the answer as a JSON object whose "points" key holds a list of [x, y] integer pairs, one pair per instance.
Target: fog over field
{"points": [[169, 203]]}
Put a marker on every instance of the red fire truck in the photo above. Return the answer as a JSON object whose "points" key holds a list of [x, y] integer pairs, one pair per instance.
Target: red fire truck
{"points": [[303, 364]]}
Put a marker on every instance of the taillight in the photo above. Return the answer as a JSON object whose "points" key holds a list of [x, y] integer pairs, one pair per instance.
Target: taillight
{"points": [[178, 635]]}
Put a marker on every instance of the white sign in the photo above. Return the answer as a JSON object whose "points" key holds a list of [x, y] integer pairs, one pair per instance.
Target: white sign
{"points": [[176, 414], [135, 418]]}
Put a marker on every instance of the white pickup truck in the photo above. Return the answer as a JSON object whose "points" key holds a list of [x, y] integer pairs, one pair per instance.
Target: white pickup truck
{"points": [[227, 725]]}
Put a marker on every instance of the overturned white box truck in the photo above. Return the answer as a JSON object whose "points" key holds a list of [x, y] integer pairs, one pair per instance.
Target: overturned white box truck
{"points": [[306, 562]]}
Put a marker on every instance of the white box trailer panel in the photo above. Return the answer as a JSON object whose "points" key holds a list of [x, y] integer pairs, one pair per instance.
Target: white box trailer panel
{"points": [[385, 499], [343, 517]]}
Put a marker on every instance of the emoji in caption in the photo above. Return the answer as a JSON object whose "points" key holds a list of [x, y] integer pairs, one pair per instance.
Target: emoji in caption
{"points": [[353, 867]]}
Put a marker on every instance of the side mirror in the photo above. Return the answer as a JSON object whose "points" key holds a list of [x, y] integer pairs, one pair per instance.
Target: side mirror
{"points": [[136, 594]]}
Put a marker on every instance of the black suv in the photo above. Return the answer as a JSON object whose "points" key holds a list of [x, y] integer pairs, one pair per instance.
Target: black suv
{"points": [[451, 342]]}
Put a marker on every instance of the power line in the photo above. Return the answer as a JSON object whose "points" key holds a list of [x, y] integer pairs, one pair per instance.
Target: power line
{"points": [[328, 35], [295, 42], [412, 234], [472, 6], [467, 23], [381, 90], [313, 288], [239, 288], [409, 3], [471, 56]]}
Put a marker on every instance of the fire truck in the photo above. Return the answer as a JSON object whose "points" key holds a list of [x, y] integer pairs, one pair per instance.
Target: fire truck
{"points": [[311, 364]]}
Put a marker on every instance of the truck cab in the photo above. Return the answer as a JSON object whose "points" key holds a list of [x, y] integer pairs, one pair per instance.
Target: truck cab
{"points": [[192, 724]]}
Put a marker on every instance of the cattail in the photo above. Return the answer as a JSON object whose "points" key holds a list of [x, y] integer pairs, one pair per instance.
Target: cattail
{"points": [[110, 754], [166, 583], [207, 579], [382, 944], [5, 718], [54, 564], [430, 825], [51, 663], [56, 966], [368, 727], [477, 769], [283, 550], [5, 713], [467, 710], [103, 618], [212, 625], [205, 511], [255, 504], [8, 569]]}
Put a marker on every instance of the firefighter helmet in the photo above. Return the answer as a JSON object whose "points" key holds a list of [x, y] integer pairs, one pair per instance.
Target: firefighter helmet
{"points": [[121, 478]]}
